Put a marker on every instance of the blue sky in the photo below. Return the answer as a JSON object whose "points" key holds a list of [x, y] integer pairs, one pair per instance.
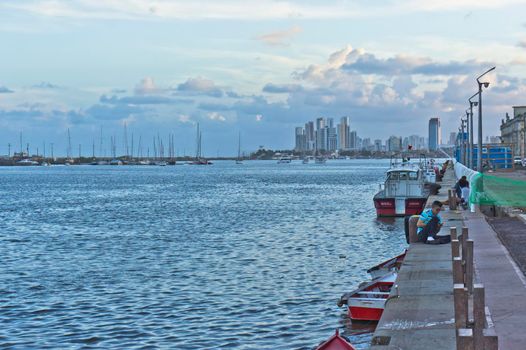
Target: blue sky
{"points": [[260, 68]]}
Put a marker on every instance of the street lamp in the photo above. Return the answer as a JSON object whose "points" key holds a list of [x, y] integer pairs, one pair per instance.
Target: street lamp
{"points": [[462, 141], [471, 136], [468, 146], [479, 146]]}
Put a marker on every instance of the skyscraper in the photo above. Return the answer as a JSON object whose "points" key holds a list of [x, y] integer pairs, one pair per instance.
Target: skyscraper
{"points": [[353, 140], [321, 135], [331, 136], [343, 133], [434, 134], [310, 136], [301, 140]]}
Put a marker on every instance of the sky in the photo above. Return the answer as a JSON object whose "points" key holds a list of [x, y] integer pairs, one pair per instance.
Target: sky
{"points": [[255, 68]]}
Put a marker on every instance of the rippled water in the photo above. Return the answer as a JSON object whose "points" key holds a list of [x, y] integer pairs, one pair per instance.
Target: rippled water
{"points": [[249, 256]]}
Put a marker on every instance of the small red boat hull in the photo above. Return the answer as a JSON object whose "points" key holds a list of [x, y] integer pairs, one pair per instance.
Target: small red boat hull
{"points": [[365, 314], [336, 342]]}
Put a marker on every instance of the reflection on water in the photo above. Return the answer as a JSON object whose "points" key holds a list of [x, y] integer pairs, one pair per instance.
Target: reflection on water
{"points": [[185, 257]]}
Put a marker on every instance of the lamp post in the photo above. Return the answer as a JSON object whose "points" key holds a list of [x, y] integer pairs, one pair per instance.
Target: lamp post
{"points": [[471, 136], [479, 144], [468, 146], [462, 141]]}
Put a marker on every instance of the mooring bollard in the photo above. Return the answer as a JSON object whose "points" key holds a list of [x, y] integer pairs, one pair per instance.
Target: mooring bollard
{"points": [[455, 248], [465, 339], [460, 300], [452, 200], [464, 238], [413, 236], [469, 266], [479, 316], [491, 341], [458, 274], [453, 232]]}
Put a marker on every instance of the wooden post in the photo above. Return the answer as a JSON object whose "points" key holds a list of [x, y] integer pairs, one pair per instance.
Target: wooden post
{"points": [[455, 248], [460, 299], [413, 237], [465, 339], [469, 266], [491, 341], [453, 232], [479, 316], [452, 198], [458, 274], [464, 238]]}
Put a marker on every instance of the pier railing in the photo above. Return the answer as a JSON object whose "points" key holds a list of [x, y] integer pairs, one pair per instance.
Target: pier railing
{"points": [[472, 322]]}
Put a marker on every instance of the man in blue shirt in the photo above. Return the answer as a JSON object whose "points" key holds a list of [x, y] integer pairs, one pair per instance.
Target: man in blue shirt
{"points": [[429, 223]]}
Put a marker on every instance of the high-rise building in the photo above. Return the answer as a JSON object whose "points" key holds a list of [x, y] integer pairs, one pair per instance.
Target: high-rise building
{"points": [[343, 133], [434, 134], [353, 140], [310, 136], [321, 135], [377, 145], [366, 144], [301, 140], [394, 144], [332, 137]]}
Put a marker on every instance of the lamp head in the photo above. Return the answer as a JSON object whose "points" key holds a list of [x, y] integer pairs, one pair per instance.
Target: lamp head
{"points": [[486, 84], [475, 104]]}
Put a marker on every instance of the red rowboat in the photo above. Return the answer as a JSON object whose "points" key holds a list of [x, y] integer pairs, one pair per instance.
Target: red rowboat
{"points": [[387, 266], [336, 342], [367, 302]]}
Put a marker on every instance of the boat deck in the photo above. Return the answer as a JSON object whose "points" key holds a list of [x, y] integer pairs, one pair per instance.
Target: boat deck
{"points": [[420, 312]]}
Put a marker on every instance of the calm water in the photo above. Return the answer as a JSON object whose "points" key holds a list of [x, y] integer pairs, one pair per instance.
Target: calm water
{"points": [[229, 256]]}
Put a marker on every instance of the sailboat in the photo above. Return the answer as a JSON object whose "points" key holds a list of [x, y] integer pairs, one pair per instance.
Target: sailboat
{"points": [[239, 160], [199, 160]]}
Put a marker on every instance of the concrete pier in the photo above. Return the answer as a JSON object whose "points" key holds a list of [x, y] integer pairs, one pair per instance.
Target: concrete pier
{"points": [[420, 312]]}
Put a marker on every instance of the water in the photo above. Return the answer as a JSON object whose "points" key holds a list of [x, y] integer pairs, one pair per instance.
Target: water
{"points": [[250, 256]]}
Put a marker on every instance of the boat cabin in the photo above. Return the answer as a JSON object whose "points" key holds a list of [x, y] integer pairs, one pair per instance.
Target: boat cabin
{"points": [[404, 182]]}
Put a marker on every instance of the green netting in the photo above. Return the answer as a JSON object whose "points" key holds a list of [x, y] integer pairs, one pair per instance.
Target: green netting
{"points": [[496, 190]]}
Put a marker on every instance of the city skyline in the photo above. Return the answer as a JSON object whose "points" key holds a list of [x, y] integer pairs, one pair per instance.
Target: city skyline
{"points": [[163, 66]]}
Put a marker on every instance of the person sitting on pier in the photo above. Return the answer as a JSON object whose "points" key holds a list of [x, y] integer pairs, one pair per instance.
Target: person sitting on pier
{"points": [[429, 224]]}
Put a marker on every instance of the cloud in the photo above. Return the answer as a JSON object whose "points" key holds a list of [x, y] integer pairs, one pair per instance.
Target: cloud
{"points": [[522, 44], [281, 88], [213, 106], [200, 86], [143, 100], [367, 63], [113, 112], [146, 86], [216, 116], [45, 85], [5, 90], [280, 38]]}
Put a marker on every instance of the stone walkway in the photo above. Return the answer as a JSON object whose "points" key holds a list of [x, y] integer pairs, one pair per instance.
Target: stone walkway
{"points": [[504, 282]]}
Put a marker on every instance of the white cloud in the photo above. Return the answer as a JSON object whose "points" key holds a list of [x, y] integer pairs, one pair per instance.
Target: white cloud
{"points": [[146, 86], [216, 116], [281, 37]]}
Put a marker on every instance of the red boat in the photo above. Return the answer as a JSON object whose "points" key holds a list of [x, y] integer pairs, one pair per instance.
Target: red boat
{"points": [[368, 301], [383, 268], [403, 193], [336, 342]]}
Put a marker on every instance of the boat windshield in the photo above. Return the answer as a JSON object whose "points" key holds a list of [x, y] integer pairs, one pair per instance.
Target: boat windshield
{"points": [[402, 175]]}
